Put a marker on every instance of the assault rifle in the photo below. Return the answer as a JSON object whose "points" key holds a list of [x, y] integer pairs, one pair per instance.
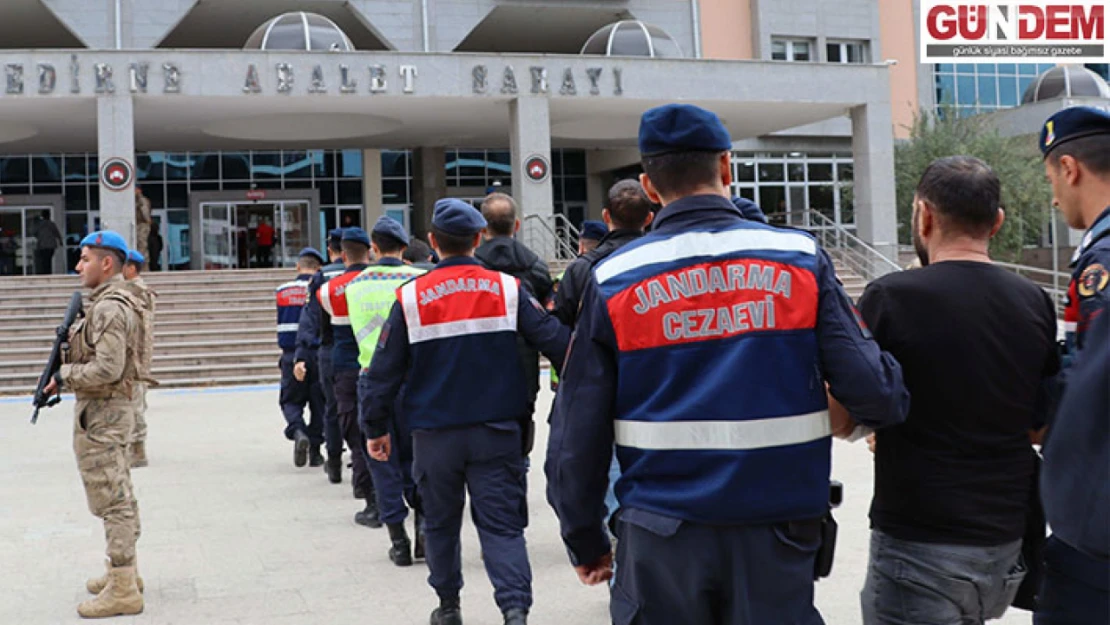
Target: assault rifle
{"points": [[61, 338]]}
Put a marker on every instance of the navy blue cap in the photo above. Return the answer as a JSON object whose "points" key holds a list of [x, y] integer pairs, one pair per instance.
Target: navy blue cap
{"points": [[1073, 123], [457, 217], [106, 239], [593, 230], [390, 227], [135, 257], [312, 252], [356, 235], [682, 128], [335, 237]]}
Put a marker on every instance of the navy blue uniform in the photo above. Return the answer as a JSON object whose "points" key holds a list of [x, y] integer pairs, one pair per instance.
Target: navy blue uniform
{"points": [[703, 350], [461, 321], [294, 395], [1087, 291], [314, 341]]}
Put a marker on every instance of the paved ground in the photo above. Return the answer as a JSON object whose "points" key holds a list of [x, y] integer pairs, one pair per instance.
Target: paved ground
{"points": [[233, 533]]}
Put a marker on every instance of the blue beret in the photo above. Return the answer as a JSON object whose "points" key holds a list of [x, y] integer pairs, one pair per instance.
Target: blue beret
{"points": [[1073, 123], [390, 227], [682, 128], [593, 230], [135, 257], [457, 217], [312, 252], [106, 239], [335, 237], [749, 209], [356, 235]]}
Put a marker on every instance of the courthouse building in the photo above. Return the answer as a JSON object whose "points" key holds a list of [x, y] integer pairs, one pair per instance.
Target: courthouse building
{"points": [[315, 113]]}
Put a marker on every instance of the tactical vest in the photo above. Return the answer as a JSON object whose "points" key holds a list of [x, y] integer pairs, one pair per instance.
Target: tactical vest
{"points": [[721, 413], [291, 298], [370, 296]]}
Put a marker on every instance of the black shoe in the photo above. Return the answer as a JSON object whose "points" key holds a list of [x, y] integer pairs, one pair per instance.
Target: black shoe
{"points": [[418, 544], [300, 449], [516, 616], [369, 516], [334, 468], [447, 613], [400, 553], [315, 458]]}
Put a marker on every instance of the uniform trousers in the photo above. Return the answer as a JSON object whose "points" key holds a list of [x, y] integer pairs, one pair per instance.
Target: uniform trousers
{"points": [[393, 478], [102, 429], [1075, 589], [486, 460], [295, 395], [346, 399], [138, 432], [333, 434], [671, 571]]}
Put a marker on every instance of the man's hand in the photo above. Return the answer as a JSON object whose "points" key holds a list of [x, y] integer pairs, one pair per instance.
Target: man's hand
{"points": [[840, 421], [51, 387], [871, 442], [379, 448], [300, 370], [596, 573]]}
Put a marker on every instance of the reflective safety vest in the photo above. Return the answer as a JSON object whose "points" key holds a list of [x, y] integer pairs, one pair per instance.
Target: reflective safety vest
{"points": [[291, 298], [369, 298]]}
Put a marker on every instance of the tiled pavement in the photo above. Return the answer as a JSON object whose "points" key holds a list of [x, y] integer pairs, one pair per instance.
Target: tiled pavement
{"points": [[233, 533]]}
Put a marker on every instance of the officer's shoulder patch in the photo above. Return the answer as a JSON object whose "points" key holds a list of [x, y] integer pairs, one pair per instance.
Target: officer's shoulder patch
{"points": [[1094, 279]]}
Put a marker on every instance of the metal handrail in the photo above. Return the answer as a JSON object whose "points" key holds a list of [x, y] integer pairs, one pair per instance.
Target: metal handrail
{"points": [[555, 228], [844, 233]]}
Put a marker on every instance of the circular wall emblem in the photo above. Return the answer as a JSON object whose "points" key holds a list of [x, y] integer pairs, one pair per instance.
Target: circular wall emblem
{"points": [[116, 174], [537, 168]]}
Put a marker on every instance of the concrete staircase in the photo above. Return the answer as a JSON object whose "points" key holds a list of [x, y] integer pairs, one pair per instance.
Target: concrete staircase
{"points": [[211, 327]]}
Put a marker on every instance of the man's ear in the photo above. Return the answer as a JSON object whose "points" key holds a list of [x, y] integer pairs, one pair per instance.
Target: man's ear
{"points": [[998, 221], [649, 190], [607, 217], [725, 165]]}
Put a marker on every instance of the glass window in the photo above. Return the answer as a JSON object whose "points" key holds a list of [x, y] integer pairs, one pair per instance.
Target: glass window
{"points": [[844, 172], [349, 163], [796, 172], [177, 166], [772, 199], [1027, 69], [327, 191], [821, 199], [1007, 68], [156, 193], [988, 91], [965, 90], [747, 193], [148, 167], [177, 195], [778, 50], [946, 89], [745, 171], [628, 40], [472, 165], [236, 165], [945, 67], [46, 169], [770, 171], [574, 162], [801, 50], [574, 189], [301, 164], [74, 165], [395, 192], [856, 53], [350, 192], [832, 50], [394, 164], [206, 166], [791, 50], [15, 170], [77, 197], [986, 69], [965, 68], [265, 165], [1008, 94], [820, 172]]}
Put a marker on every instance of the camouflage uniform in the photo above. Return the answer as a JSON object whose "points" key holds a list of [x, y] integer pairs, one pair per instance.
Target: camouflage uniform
{"points": [[143, 222], [142, 292], [101, 369]]}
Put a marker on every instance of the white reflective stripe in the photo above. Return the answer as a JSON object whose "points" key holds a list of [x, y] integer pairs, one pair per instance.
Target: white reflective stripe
{"points": [[340, 321], [694, 244], [325, 298], [1071, 326], [300, 283], [375, 324], [734, 435], [287, 327], [419, 333]]}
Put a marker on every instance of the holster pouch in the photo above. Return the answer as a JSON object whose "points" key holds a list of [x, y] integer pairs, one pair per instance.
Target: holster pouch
{"points": [[824, 561]]}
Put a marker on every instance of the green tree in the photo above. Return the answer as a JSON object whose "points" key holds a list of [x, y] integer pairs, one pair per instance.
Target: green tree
{"points": [[1026, 195]]}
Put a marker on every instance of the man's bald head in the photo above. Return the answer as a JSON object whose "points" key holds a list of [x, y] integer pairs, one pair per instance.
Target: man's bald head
{"points": [[499, 210]]}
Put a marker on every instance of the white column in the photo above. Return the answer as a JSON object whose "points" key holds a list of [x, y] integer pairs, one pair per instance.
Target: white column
{"points": [[530, 136], [371, 187], [873, 157], [115, 131]]}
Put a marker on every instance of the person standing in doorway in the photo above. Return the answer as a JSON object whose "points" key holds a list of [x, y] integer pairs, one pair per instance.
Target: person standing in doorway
{"points": [[143, 220], [264, 238], [47, 240]]}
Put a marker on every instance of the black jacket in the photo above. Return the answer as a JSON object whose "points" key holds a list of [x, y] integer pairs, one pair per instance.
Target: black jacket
{"points": [[569, 295], [510, 256]]}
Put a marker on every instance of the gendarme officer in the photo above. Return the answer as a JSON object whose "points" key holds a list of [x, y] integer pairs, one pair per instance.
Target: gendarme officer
{"points": [[102, 369], [458, 326], [704, 349]]}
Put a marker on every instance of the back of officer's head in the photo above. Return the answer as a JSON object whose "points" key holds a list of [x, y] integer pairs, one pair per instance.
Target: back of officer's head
{"points": [[628, 207], [132, 269], [685, 150], [355, 252], [499, 210], [308, 264], [961, 194], [386, 244], [417, 252]]}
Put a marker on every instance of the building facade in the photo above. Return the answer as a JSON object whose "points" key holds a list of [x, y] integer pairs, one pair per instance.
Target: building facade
{"points": [[227, 113]]}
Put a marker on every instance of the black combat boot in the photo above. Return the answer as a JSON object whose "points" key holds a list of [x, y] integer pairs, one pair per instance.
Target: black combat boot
{"points": [[315, 458], [401, 551], [418, 544], [447, 613], [334, 468], [369, 516], [300, 449], [516, 616]]}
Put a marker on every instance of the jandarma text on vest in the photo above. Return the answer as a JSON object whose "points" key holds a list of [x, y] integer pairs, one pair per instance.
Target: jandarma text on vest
{"points": [[461, 285]]}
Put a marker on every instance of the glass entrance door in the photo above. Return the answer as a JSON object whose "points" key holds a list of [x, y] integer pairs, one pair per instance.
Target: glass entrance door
{"points": [[254, 235], [19, 229]]}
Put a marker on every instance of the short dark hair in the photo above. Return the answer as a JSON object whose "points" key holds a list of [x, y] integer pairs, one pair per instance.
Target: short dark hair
{"points": [[680, 173], [308, 262], [628, 205], [138, 266], [355, 250], [964, 190], [118, 257], [500, 222], [417, 251], [1093, 152], [335, 246], [453, 244], [386, 244]]}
